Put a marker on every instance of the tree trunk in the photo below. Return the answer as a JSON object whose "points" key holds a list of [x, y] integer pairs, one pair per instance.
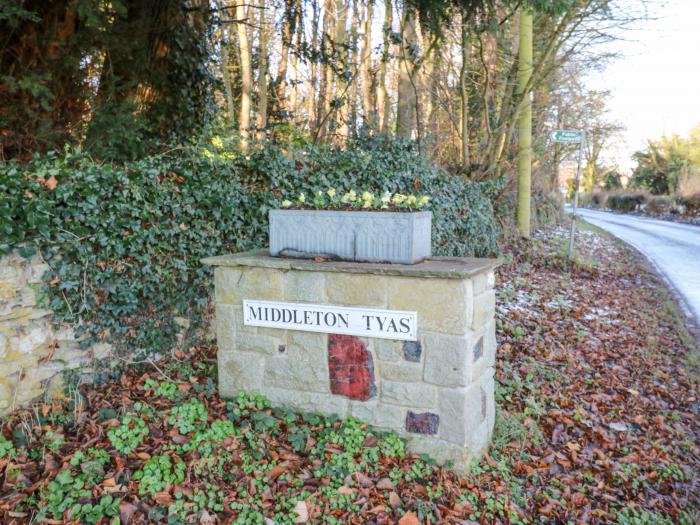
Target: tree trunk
{"points": [[226, 76], [464, 92], [299, 32], [246, 74], [406, 104], [344, 66], [383, 100], [261, 115], [313, 79], [281, 80], [368, 107], [525, 124], [326, 80]]}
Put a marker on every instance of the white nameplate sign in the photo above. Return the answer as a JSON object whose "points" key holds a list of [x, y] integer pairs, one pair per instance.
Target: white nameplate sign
{"points": [[367, 322]]}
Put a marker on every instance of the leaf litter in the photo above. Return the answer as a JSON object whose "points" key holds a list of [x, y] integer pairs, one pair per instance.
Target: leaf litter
{"points": [[597, 423]]}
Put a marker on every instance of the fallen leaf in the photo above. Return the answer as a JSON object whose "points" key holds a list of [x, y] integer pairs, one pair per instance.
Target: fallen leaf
{"points": [[385, 484], [409, 519], [302, 512]]}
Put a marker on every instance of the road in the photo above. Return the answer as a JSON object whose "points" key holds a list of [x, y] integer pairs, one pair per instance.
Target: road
{"points": [[673, 248]]}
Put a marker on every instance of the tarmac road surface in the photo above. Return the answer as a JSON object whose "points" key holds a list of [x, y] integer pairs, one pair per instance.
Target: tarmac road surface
{"points": [[672, 247]]}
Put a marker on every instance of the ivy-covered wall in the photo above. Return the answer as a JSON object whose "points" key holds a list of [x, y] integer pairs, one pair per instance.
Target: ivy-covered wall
{"points": [[123, 242]]}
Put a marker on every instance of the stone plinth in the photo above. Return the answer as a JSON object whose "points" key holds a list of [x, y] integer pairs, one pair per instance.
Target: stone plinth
{"points": [[436, 391]]}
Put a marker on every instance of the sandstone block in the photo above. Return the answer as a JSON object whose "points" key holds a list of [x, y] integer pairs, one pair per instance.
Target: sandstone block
{"points": [[233, 285], [443, 452], [308, 401], [35, 335], [378, 414], [262, 343], [305, 287], [240, 371], [484, 309], [311, 344], [300, 374], [447, 359], [488, 342], [461, 411], [389, 350], [408, 394], [483, 282], [401, 371], [349, 289], [443, 305], [21, 362]]}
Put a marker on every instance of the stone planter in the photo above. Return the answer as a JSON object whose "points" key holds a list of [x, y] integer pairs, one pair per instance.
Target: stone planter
{"points": [[372, 236]]}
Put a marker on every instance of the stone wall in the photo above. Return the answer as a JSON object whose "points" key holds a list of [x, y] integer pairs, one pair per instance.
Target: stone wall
{"points": [[33, 353], [438, 391]]}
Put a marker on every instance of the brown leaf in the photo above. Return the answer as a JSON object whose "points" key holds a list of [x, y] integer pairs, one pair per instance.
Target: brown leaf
{"points": [[126, 512], [394, 500], [163, 498], [409, 519], [363, 480], [51, 183], [302, 512], [385, 484], [276, 472]]}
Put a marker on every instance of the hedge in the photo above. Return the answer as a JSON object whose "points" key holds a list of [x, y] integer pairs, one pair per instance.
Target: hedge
{"points": [[124, 241]]}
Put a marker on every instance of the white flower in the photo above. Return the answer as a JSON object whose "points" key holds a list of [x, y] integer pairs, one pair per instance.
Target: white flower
{"points": [[286, 203], [367, 196], [367, 204], [331, 192], [411, 199], [302, 198], [386, 197]]}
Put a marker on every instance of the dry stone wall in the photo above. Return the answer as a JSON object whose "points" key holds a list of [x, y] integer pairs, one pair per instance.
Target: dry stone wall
{"points": [[33, 353], [436, 391]]}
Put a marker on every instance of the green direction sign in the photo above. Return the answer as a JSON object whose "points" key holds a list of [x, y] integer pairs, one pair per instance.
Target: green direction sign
{"points": [[567, 135]]}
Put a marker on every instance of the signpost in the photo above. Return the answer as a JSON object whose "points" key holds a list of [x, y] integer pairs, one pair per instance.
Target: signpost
{"points": [[572, 136]]}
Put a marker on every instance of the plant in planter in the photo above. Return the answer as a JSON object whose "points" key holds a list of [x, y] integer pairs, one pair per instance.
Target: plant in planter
{"points": [[355, 226]]}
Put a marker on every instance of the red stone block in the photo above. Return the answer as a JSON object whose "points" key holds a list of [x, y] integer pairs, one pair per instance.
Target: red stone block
{"points": [[350, 367]]}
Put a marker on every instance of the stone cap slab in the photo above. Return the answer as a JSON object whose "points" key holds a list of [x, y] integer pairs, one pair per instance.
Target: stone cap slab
{"points": [[435, 267]]}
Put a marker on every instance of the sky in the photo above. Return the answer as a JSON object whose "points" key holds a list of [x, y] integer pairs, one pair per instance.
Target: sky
{"points": [[655, 85]]}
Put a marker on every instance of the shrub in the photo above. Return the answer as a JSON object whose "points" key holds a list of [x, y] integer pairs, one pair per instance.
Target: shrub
{"points": [[626, 202], [125, 241], [659, 205], [597, 199], [691, 203]]}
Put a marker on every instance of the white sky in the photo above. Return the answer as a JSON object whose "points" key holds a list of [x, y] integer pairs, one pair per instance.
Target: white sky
{"points": [[655, 85]]}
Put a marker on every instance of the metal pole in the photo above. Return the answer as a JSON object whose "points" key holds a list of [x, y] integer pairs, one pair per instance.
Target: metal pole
{"points": [[576, 186]]}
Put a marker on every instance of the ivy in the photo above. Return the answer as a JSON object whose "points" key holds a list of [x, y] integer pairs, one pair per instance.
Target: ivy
{"points": [[124, 242]]}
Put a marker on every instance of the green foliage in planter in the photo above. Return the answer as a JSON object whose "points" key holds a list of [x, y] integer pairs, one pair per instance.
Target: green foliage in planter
{"points": [[463, 218]]}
